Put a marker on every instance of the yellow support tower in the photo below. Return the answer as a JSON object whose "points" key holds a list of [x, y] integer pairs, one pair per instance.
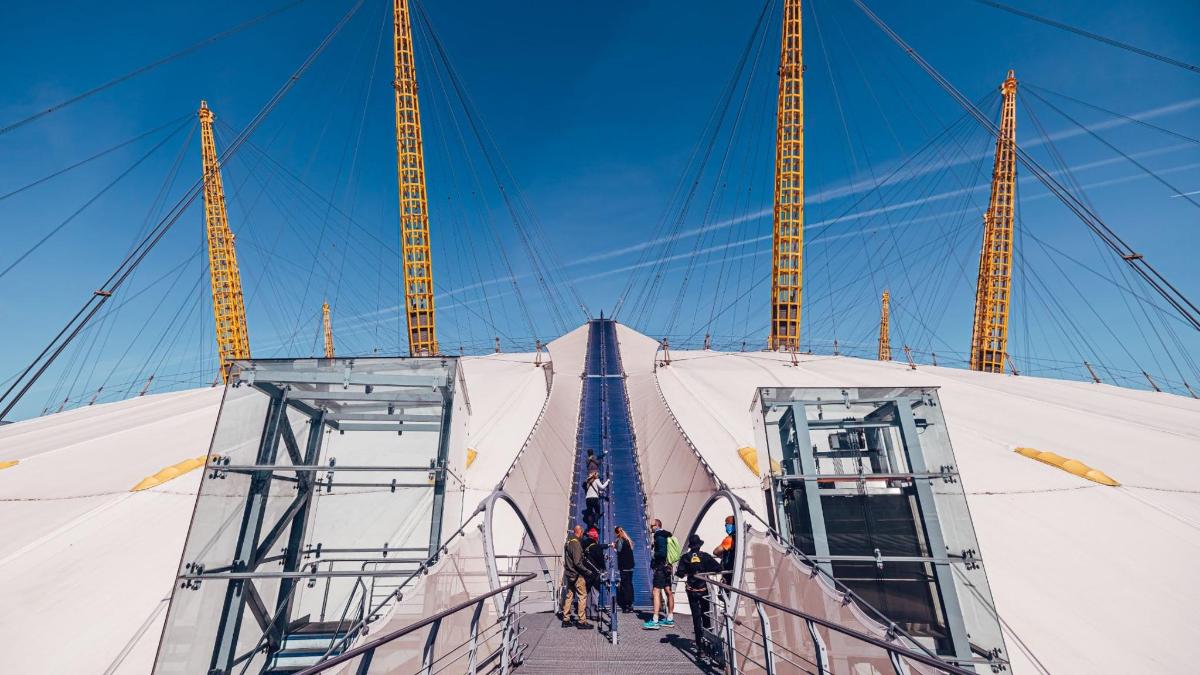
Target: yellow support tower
{"points": [[885, 336], [788, 247], [328, 330], [414, 207], [229, 311], [989, 334]]}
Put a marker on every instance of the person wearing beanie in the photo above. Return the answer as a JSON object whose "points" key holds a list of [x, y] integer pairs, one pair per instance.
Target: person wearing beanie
{"points": [[693, 562]]}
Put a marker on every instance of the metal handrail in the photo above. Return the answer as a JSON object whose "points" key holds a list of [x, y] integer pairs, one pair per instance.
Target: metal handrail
{"points": [[892, 649], [367, 650]]}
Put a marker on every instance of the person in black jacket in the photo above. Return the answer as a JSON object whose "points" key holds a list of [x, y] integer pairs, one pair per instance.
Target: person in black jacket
{"points": [[695, 561], [573, 579], [594, 563], [624, 548]]}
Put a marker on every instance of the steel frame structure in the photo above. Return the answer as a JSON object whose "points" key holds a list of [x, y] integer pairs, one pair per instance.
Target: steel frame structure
{"points": [[416, 264], [330, 400], [787, 260], [993, 291], [229, 310], [789, 437]]}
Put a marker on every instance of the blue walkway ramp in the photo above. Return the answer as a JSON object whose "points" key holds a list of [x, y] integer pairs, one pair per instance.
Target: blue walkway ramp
{"points": [[605, 427]]}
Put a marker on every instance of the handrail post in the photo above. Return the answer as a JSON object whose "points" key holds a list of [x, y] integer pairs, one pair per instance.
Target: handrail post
{"points": [[364, 664], [471, 659], [767, 642], [427, 654], [819, 654], [506, 641]]}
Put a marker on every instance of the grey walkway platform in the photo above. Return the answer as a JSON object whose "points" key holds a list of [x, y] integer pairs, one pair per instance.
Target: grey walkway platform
{"points": [[570, 651]]}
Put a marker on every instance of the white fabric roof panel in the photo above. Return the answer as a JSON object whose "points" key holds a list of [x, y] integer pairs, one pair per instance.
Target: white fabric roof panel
{"points": [[1090, 578]]}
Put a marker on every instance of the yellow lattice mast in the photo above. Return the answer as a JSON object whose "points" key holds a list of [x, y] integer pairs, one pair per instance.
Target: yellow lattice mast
{"points": [[229, 311], [989, 334], [414, 208], [885, 335], [788, 247], [328, 326]]}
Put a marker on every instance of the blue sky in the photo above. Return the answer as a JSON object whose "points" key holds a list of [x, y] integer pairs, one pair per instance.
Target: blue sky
{"points": [[595, 110]]}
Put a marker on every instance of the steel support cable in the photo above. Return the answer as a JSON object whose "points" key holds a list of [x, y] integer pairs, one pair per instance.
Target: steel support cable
{"points": [[481, 208], [552, 300], [941, 269], [944, 281], [719, 195], [1152, 276], [351, 190], [1092, 36], [649, 292], [98, 155], [510, 275], [719, 187], [1128, 118], [890, 181], [499, 170], [155, 210], [299, 326], [933, 178], [51, 352], [460, 215], [649, 289], [1145, 169], [1057, 156], [1112, 267], [217, 37], [92, 200]]}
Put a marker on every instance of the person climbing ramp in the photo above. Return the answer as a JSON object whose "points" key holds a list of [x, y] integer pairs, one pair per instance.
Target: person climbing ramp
{"points": [[594, 490]]}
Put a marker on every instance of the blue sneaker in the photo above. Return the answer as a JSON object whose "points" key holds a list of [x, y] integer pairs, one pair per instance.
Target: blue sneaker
{"points": [[667, 622], [651, 625]]}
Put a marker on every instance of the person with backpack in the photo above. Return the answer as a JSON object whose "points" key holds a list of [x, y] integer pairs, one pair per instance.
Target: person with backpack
{"points": [[665, 552], [623, 546], [593, 490], [695, 561], [594, 565], [573, 579]]}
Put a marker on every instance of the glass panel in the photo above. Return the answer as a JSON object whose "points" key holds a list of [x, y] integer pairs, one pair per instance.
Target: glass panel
{"points": [[325, 485], [868, 485]]}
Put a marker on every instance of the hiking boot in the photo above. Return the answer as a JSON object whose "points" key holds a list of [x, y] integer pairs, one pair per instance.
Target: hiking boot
{"points": [[651, 625], [584, 625], [567, 623]]}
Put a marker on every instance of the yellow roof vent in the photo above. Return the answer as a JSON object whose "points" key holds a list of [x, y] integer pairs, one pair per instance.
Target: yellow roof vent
{"points": [[1073, 466], [173, 471]]}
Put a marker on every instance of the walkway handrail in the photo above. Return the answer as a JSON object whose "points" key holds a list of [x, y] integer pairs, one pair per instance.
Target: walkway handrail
{"points": [[890, 648], [368, 649]]}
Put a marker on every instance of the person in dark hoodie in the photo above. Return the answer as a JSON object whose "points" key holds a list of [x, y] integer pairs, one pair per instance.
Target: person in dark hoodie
{"points": [[695, 561], [593, 552], [573, 579], [623, 545], [660, 572]]}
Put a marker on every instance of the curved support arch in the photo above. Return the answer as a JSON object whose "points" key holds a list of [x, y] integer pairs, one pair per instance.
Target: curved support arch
{"points": [[739, 524], [488, 507]]}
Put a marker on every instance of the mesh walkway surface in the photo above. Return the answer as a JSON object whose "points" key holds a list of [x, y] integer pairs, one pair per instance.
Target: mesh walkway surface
{"points": [[604, 426], [570, 651]]}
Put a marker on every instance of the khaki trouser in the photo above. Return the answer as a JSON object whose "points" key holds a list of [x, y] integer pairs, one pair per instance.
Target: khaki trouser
{"points": [[579, 588]]}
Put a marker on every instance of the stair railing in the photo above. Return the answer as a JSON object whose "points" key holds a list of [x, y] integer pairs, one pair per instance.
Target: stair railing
{"points": [[508, 624], [774, 651]]}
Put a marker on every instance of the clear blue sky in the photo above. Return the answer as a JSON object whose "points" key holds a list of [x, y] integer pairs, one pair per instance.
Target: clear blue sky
{"points": [[596, 109]]}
